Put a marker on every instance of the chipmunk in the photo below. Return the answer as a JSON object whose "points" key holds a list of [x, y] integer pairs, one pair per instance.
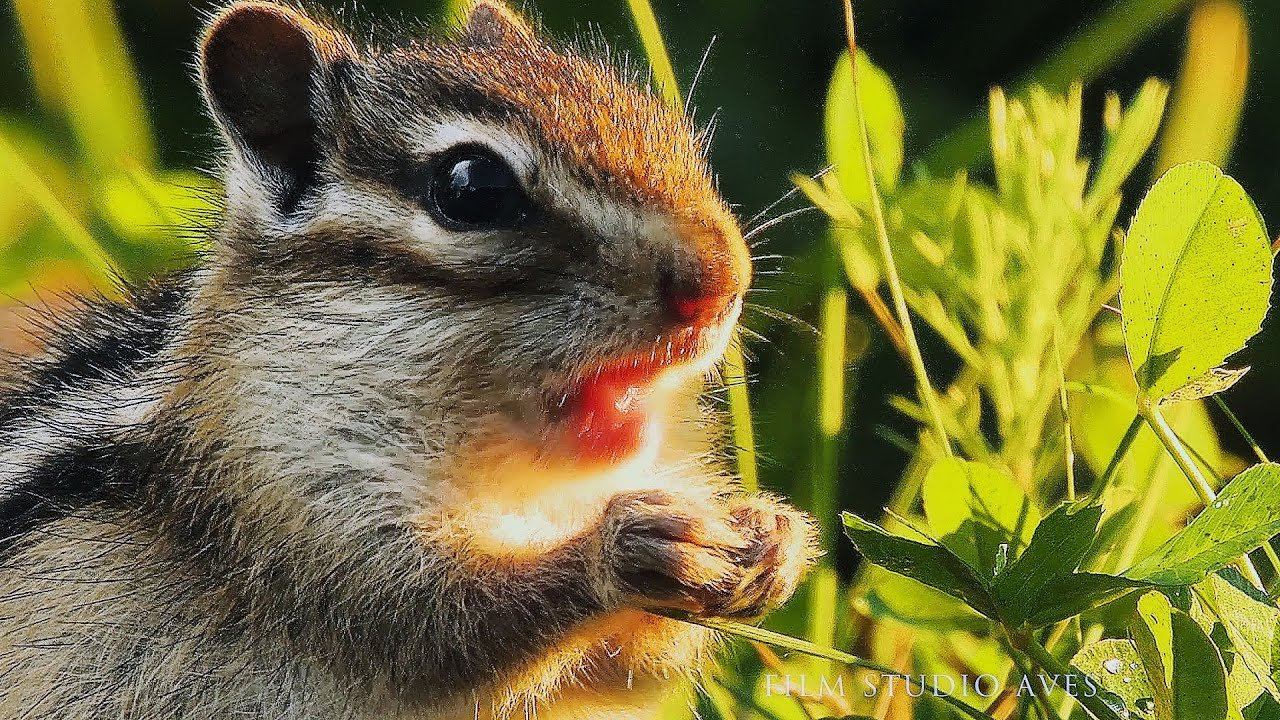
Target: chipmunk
{"points": [[421, 436]]}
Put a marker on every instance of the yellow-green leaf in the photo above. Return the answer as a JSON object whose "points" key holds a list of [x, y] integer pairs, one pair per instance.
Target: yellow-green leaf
{"points": [[1195, 277], [1241, 518], [1252, 626], [884, 127], [1113, 665]]}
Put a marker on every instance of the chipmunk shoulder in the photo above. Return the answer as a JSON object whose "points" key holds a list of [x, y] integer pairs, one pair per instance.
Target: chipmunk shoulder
{"points": [[421, 435]]}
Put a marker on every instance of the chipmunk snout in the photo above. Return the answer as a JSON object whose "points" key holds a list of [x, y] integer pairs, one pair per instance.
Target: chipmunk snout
{"points": [[703, 291], [696, 304]]}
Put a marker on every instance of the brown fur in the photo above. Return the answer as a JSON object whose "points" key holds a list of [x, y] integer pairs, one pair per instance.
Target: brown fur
{"points": [[322, 479]]}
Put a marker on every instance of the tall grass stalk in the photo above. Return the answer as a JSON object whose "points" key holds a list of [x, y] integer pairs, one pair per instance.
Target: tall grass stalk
{"points": [[656, 49], [928, 395], [1240, 428], [734, 365], [824, 587]]}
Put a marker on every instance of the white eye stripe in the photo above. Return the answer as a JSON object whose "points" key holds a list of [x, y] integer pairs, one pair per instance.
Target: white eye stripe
{"points": [[605, 215], [437, 134]]}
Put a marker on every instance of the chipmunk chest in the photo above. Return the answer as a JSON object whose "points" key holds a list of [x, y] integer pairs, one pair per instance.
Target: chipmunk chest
{"points": [[531, 510]]}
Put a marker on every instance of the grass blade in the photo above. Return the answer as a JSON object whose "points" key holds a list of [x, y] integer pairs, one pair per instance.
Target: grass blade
{"points": [[99, 263]]}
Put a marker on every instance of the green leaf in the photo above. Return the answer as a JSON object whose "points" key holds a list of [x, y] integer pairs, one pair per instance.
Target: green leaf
{"points": [[885, 126], [1073, 594], [932, 565], [1057, 547], [1241, 519], [1195, 277], [848, 180], [1252, 626], [1183, 666], [974, 509], [899, 598], [1114, 666]]}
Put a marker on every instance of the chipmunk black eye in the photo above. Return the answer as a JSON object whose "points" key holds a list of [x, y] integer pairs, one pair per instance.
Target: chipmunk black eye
{"points": [[471, 189]]}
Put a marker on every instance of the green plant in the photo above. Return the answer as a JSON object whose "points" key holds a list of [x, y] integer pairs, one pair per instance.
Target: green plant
{"points": [[1014, 278]]}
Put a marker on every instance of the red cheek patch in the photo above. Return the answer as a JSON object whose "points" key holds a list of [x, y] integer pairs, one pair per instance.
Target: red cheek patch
{"points": [[607, 414]]}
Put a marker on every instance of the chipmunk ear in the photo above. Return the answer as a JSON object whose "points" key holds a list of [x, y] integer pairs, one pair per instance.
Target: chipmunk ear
{"points": [[491, 22], [262, 65]]}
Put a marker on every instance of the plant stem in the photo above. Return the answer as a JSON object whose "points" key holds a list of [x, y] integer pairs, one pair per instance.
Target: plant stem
{"points": [[1151, 413], [1240, 428], [1066, 418], [756, 634], [1041, 699], [1262, 457], [832, 701], [927, 393], [744, 436], [1100, 485]]}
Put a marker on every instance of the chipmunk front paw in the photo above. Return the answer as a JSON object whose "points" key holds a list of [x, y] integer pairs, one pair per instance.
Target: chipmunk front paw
{"points": [[737, 560], [782, 546]]}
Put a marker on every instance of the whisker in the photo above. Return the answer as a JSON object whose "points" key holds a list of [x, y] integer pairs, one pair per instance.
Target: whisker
{"points": [[776, 221], [706, 136], [697, 75], [781, 316], [753, 335], [785, 197]]}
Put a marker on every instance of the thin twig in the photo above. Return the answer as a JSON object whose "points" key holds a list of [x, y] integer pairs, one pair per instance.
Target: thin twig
{"points": [[1100, 485], [1240, 428]]}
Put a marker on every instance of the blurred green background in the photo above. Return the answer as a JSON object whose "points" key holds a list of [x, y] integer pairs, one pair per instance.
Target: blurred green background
{"points": [[100, 113]]}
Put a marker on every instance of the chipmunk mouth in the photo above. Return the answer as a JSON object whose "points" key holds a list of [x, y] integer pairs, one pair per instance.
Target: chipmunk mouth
{"points": [[609, 412]]}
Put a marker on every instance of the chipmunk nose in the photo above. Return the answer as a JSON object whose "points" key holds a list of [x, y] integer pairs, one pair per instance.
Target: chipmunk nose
{"points": [[711, 280], [696, 308]]}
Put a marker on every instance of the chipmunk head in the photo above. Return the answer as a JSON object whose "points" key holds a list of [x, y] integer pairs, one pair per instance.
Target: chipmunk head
{"points": [[512, 240]]}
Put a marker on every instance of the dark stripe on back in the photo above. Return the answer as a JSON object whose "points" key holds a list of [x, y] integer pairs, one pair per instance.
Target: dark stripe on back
{"points": [[102, 342], [96, 471]]}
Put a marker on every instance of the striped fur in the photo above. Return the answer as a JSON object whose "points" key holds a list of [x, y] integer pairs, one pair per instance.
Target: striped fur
{"points": [[325, 475]]}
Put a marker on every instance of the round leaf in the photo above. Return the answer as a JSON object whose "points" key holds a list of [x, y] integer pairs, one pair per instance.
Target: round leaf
{"points": [[1195, 277]]}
